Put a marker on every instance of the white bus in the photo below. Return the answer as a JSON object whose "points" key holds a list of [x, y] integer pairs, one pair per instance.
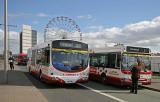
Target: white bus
{"points": [[60, 61], [113, 65]]}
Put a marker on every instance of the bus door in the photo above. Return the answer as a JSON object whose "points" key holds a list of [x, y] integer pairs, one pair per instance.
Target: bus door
{"points": [[93, 66], [98, 66], [45, 60], [113, 68], [102, 61], [38, 59]]}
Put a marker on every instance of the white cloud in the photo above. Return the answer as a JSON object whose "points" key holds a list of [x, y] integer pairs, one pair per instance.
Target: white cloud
{"points": [[13, 41], [1, 41], [42, 15], [80, 17], [1, 34], [40, 38], [95, 27], [144, 34], [89, 16], [16, 15], [85, 16], [35, 22]]}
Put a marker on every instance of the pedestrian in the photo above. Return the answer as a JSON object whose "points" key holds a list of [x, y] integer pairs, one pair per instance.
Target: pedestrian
{"points": [[135, 76], [11, 62]]}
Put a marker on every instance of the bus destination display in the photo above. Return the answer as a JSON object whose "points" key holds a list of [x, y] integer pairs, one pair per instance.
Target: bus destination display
{"points": [[137, 49]]}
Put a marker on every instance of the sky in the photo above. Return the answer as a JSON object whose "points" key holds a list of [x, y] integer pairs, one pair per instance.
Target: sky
{"points": [[102, 22]]}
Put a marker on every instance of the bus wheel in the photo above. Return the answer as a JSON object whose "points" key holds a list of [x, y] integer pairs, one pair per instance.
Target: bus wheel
{"points": [[103, 79]]}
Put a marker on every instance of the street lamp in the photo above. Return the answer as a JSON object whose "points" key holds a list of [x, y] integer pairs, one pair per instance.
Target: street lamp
{"points": [[5, 43]]}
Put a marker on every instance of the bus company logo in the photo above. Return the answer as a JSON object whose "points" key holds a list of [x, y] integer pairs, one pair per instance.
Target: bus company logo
{"points": [[113, 73]]}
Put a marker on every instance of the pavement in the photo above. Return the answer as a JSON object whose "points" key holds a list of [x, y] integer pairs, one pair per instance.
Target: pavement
{"points": [[155, 85], [18, 88]]}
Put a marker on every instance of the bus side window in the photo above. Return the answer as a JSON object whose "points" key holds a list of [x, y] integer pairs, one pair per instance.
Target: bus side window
{"points": [[118, 60], [33, 57], [94, 61], [45, 56], [111, 60], [107, 64], [38, 56], [102, 61]]}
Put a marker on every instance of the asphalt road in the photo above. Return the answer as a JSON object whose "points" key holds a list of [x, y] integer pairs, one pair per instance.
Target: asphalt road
{"points": [[90, 92]]}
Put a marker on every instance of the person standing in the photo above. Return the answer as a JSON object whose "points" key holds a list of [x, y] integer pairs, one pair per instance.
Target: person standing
{"points": [[11, 62], [135, 76]]}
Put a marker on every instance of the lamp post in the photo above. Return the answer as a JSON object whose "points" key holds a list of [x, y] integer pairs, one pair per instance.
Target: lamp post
{"points": [[5, 43]]}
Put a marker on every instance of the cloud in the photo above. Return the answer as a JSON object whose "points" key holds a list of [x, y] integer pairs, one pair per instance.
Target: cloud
{"points": [[16, 15], [85, 16], [40, 38], [35, 22], [89, 16], [143, 34], [80, 17], [19, 15], [13, 41], [96, 27], [1, 41], [42, 15]]}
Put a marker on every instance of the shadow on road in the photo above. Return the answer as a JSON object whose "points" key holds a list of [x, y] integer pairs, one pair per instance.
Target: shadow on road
{"points": [[93, 84], [107, 88], [15, 77], [42, 85]]}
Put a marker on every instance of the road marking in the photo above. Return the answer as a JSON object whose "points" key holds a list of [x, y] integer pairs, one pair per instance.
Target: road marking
{"points": [[115, 98]]}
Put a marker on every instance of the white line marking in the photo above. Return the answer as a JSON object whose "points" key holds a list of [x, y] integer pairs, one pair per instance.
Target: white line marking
{"points": [[115, 98]]}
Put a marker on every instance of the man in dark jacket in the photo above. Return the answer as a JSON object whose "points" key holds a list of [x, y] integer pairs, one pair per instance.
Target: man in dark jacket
{"points": [[11, 62], [135, 76]]}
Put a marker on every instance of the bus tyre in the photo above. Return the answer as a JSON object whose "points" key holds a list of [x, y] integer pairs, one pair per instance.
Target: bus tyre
{"points": [[103, 79]]}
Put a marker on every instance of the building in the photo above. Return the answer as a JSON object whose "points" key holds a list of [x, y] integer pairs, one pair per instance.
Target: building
{"points": [[28, 38], [34, 38]]}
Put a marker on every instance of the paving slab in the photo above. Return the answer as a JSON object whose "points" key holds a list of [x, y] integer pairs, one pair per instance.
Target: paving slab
{"points": [[18, 87]]}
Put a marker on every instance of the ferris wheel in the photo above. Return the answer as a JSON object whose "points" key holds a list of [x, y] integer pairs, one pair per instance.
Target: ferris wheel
{"points": [[62, 28]]}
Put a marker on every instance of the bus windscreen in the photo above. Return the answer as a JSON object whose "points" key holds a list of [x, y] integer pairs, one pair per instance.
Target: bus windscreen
{"points": [[69, 61], [128, 61], [69, 55]]}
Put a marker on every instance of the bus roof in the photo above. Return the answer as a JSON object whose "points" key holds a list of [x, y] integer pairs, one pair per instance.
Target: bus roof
{"points": [[108, 49], [122, 49]]}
